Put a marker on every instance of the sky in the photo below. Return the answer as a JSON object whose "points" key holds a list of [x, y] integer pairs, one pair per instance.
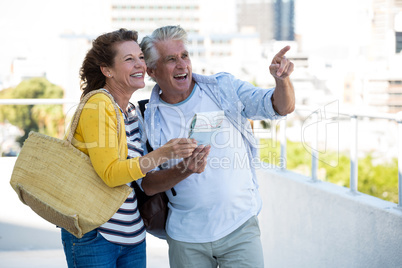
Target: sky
{"points": [[37, 21], [30, 28], [339, 23]]}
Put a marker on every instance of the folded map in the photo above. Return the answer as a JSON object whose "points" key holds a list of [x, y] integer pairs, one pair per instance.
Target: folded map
{"points": [[204, 125]]}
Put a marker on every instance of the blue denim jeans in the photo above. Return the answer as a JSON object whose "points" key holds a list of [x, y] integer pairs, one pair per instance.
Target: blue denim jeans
{"points": [[92, 250]]}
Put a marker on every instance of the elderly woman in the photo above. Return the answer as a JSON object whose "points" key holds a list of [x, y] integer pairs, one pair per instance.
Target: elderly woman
{"points": [[116, 65]]}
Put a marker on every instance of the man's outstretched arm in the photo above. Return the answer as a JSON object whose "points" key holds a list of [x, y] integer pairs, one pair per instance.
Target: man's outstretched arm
{"points": [[283, 98]]}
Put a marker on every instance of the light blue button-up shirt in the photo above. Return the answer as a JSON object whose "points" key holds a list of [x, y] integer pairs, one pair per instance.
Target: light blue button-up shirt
{"points": [[240, 101]]}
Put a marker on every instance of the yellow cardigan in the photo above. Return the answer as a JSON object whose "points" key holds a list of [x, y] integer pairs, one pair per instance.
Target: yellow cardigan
{"points": [[96, 136]]}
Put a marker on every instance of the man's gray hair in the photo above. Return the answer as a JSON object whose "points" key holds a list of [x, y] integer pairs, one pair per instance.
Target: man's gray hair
{"points": [[161, 34]]}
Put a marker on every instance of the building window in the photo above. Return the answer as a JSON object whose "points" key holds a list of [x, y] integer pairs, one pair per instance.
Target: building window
{"points": [[398, 40]]}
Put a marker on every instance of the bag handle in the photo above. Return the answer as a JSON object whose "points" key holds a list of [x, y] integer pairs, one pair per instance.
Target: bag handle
{"points": [[142, 107], [80, 107]]}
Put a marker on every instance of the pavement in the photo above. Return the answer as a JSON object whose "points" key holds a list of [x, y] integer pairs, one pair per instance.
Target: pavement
{"points": [[24, 246], [27, 240]]}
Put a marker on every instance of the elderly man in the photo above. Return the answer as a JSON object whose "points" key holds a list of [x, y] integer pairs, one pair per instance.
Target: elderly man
{"points": [[214, 206]]}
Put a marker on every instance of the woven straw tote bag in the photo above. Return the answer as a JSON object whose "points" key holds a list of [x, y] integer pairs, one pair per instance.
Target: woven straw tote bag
{"points": [[58, 182]]}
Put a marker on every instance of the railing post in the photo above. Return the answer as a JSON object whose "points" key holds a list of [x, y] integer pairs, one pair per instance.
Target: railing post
{"points": [[353, 156], [314, 153], [283, 158], [399, 121]]}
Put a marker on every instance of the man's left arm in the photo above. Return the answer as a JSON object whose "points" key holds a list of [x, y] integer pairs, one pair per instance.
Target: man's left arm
{"points": [[283, 98]]}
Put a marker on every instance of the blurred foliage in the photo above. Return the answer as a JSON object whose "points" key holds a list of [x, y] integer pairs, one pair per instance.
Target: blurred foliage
{"points": [[46, 119], [379, 180], [266, 124]]}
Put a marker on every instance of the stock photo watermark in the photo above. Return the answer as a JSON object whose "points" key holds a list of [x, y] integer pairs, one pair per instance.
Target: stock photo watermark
{"points": [[319, 135]]}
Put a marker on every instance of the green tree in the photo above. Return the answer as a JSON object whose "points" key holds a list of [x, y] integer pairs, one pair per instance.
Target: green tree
{"points": [[47, 119]]}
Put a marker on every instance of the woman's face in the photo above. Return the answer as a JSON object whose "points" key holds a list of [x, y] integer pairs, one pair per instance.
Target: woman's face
{"points": [[129, 66]]}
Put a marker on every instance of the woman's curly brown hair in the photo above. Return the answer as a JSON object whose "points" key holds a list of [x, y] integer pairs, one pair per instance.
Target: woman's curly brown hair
{"points": [[102, 53]]}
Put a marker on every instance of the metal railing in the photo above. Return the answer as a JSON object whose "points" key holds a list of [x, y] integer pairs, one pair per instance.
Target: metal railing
{"points": [[353, 116]]}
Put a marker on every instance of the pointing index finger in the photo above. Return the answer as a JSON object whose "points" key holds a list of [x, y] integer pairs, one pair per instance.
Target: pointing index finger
{"points": [[283, 51]]}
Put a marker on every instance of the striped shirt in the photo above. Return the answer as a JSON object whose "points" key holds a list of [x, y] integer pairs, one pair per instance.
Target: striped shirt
{"points": [[126, 226]]}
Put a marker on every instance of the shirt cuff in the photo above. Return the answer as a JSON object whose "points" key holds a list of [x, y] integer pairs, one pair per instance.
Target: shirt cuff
{"points": [[135, 169]]}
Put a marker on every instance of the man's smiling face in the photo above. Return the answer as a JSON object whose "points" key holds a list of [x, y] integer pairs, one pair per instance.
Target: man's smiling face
{"points": [[173, 71]]}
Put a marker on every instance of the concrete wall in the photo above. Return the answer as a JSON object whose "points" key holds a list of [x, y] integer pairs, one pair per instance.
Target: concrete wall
{"points": [[307, 224], [303, 224]]}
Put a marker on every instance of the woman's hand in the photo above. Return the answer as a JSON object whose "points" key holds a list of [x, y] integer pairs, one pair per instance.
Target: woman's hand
{"points": [[179, 148], [175, 148]]}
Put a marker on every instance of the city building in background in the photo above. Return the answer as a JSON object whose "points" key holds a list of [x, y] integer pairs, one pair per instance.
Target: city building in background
{"points": [[145, 16], [215, 43], [284, 13], [242, 36], [257, 16], [382, 84]]}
